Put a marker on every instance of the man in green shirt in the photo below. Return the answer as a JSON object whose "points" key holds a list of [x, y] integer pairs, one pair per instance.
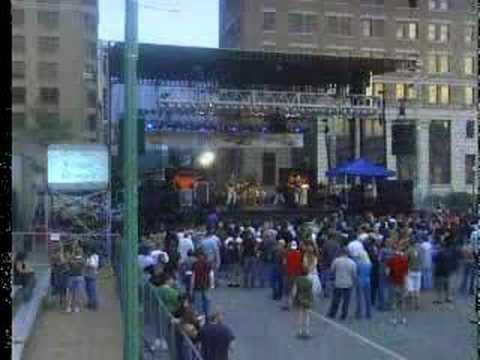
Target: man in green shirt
{"points": [[167, 292]]}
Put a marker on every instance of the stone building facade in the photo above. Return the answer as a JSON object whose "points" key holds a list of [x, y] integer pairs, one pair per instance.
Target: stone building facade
{"points": [[436, 102]]}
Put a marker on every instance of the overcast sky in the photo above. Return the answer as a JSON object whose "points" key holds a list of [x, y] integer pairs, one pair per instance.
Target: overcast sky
{"points": [[173, 22]]}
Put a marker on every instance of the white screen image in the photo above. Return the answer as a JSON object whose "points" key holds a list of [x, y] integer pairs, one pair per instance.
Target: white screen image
{"points": [[78, 167]]}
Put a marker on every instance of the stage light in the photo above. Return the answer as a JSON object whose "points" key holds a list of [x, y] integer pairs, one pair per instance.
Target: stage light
{"points": [[206, 159]]}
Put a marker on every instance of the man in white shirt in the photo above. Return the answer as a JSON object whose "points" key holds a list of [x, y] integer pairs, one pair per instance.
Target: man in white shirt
{"points": [[91, 271], [185, 243]]}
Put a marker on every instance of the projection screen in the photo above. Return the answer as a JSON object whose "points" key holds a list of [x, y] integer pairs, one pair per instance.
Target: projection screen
{"points": [[78, 167]]}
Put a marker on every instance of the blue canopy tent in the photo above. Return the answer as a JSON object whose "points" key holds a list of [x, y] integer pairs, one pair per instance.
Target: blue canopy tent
{"points": [[363, 169]]}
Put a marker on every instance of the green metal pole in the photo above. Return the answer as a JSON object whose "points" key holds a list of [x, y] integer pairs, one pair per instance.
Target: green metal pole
{"points": [[133, 333]]}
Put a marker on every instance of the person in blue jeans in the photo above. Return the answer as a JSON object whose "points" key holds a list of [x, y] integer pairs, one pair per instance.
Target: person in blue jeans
{"points": [[277, 270], [385, 287], [249, 261], [468, 274], [201, 283], [91, 270], [363, 286]]}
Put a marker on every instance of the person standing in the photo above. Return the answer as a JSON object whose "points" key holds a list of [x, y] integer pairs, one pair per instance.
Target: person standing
{"points": [[363, 286], [201, 283], [414, 279], [294, 269], [397, 270], [446, 263], [302, 294], [76, 265], [277, 270], [427, 264], [211, 248], [345, 273], [91, 272], [248, 257], [216, 339]]}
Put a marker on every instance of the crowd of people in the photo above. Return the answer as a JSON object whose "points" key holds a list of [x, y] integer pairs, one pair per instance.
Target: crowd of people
{"points": [[386, 262], [74, 271]]}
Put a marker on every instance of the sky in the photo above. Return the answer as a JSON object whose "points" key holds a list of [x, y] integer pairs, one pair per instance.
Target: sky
{"points": [[172, 22]]}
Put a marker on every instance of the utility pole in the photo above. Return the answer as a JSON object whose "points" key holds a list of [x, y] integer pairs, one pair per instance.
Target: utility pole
{"points": [[132, 329]]}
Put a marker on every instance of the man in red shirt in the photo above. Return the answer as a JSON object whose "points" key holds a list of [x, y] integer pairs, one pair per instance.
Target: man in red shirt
{"points": [[293, 269], [398, 270]]}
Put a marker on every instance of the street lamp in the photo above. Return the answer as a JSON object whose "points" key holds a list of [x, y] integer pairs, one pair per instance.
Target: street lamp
{"points": [[206, 159]]}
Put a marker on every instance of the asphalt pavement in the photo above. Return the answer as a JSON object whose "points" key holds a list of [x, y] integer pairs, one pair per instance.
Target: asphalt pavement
{"points": [[265, 331]]}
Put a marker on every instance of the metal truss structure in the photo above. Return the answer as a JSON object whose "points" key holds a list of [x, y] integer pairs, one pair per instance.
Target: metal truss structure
{"points": [[259, 101]]}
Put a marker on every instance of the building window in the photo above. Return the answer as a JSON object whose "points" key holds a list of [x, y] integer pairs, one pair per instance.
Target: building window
{"points": [[400, 91], [48, 19], [92, 99], [269, 47], [439, 94], [18, 95], [92, 122], [438, 32], [469, 169], [47, 71], [440, 152], [90, 24], [18, 120], [48, 119], [48, 44], [438, 63], [444, 94], [302, 23], [18, 70], [373, 2], [49, 2], [469, 34], [18, 44], [468, 65], [339, 25], [407, 30], [18, 17], [405, 91], [378, 89], [89, 2], [438, 5], [469, 97], [269, 20], [91, 50], [373, 27], [470, 129], [49, 96]]}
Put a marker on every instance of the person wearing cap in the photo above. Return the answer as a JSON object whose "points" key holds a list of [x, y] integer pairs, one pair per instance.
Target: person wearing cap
{"points": [[294, 269]]}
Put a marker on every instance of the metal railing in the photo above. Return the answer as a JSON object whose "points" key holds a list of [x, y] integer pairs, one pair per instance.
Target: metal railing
{"points": [[162, 337], [38, 246], [161, 332]]}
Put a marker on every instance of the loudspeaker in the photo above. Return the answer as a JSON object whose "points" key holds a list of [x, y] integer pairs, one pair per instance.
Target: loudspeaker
{"points": [[395, 195], [403, 139]]}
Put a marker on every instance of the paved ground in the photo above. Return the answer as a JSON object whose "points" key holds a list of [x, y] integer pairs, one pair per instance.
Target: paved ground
{"points": [[79, 336], [266, 332]]}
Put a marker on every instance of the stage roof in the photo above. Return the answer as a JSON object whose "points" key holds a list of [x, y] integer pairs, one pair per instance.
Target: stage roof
{"points": [[246, 68]]}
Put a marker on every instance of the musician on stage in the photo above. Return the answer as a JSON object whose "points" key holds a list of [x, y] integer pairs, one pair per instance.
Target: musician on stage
{"points": [[184, 183], [304, 187], [297, 189], [232, 195]]}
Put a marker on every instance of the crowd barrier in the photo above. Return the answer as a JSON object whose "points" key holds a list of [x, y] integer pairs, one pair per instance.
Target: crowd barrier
{"points": [[162, 337]]}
